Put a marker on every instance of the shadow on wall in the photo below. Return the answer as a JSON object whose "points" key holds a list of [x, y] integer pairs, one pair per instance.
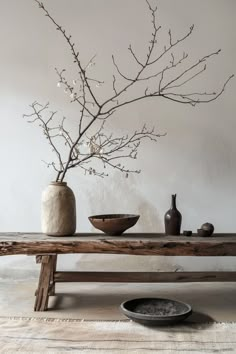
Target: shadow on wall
{"points": [[123, 196]]}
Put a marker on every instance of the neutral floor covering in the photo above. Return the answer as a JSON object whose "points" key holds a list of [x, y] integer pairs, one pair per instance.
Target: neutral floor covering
{"points": [[98, 301]]}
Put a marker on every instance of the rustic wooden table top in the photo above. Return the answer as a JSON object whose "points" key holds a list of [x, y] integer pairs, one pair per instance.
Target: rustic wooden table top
{"points": [[129, 243]]}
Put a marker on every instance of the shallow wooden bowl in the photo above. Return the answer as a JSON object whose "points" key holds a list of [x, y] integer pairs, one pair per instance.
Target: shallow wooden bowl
{"points": [[113, 224]]}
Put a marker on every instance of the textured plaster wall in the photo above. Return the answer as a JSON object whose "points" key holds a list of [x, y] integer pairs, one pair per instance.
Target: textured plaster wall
{"points": [[196, 159]]}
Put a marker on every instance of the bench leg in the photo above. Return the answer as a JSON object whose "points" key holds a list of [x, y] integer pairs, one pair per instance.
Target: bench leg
{"points": [[53, 270], [46, 285]]}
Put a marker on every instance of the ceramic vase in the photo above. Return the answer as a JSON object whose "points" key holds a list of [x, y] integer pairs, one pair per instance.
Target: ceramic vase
{"points": [[173, 218], [58, 214]]}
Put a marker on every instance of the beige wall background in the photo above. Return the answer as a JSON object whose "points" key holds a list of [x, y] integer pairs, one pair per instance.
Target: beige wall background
{"points": [[196, 159]]}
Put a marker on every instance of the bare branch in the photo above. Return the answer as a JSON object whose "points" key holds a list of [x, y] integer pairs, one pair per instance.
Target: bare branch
{"points": [[200, 61], [134, 56], [119, 72], [72, 48], [193, 101], [46, 130], [114, 84], [170, 47], [189, 79], [96, 144], [70, 90]]}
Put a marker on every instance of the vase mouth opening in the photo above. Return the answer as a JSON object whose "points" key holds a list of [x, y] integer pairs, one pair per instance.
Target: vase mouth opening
{"points": [[58, 183]]}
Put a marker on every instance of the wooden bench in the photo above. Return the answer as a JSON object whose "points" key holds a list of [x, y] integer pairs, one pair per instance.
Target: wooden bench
{"points": [[47, 249]]}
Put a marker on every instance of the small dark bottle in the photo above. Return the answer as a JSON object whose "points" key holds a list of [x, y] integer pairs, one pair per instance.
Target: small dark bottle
{"points": [[173, 219]]}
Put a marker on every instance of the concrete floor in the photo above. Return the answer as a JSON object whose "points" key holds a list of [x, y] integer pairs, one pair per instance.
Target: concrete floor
{"points": [[210, 301]]}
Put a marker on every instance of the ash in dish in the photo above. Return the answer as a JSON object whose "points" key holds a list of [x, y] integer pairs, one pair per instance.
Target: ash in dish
{"points": [[158, 308]]}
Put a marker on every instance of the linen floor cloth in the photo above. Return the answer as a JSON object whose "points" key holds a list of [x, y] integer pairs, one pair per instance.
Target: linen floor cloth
{"points": [[40, 335]]}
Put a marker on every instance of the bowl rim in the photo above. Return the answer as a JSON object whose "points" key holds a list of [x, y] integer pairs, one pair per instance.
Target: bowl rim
{"points": [[156, 317], [113, 216]]}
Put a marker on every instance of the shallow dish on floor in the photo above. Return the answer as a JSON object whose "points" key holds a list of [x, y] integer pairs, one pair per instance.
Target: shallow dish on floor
{"points": [[113, 224], [156, 311]]}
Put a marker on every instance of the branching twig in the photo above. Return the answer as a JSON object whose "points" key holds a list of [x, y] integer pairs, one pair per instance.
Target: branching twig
{"points": [[86, 147]]}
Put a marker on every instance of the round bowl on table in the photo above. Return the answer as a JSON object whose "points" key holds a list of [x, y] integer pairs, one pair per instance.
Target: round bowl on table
{"points": [[156, 311], [113, 224]]}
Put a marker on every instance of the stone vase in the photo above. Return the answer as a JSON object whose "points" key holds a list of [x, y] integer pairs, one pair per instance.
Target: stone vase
{"points": [[58, 214]]}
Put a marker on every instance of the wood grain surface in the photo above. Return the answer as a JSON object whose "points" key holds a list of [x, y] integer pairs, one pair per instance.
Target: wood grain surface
{"points": [[144, 277], [130, 244]]}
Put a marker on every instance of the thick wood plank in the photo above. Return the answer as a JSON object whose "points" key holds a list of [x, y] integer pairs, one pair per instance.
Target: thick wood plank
{"points": [[144, 277], [133, 244], [133, 247], [33, 237]]}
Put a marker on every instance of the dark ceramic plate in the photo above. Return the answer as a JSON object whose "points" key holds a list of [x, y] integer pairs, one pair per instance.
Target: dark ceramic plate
{"points": [[156, 311]]}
